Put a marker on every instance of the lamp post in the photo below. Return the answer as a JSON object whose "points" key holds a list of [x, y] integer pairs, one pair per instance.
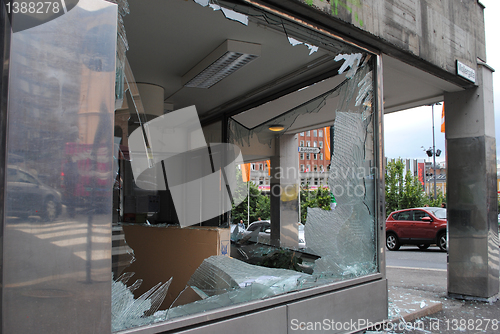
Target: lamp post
{"points": [[432, 152], [424, 175]]}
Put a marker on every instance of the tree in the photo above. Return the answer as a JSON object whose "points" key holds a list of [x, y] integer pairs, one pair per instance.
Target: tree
{"points": [[440, 198], [260, 205], [413, 194], [319, 198], [402, 191]]}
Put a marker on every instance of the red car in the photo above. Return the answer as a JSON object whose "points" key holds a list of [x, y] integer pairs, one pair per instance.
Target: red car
{"points": [[418, 226]]}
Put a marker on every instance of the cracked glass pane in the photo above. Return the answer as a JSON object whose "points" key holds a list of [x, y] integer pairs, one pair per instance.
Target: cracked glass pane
{"points": [[345, 237]]}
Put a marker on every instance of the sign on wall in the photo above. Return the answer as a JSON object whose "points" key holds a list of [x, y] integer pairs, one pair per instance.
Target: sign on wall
{"points": [[466, 72]]}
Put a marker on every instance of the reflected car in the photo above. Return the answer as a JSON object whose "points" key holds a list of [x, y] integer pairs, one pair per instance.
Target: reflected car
{"points": [[28, 196], [259, 231], [302, 237], [417, 226]]}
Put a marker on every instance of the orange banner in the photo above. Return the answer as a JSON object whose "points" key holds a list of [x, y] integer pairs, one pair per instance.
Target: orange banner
{"points": [[268, 163], [326, 131], [442, 120], [245, 172]]}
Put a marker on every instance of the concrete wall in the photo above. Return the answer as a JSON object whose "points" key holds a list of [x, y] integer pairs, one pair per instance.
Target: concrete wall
{"points": [[429, 34]]}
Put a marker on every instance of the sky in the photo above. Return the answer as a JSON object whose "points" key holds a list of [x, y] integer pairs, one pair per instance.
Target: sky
{"points": [[407, 131]]}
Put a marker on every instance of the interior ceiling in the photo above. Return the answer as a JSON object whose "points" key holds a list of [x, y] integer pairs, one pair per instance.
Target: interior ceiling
{"points": [[168, 38]]}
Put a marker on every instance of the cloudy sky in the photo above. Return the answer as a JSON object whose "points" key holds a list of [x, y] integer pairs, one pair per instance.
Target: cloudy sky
{"points": [[407, 131]]}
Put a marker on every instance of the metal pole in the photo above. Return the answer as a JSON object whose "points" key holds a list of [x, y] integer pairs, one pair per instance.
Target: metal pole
{"points": [[434, 151], [248, 201]]}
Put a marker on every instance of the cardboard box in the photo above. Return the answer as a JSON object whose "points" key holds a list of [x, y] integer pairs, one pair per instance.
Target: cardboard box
{"points": [[164, 252]]}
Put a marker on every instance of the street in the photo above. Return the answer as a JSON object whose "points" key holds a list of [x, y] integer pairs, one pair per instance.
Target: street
{"points": [[412, 257], [410, 267]]}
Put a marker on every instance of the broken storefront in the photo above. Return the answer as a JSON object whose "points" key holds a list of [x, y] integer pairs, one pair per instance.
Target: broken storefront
{"points": [[143, 140]]}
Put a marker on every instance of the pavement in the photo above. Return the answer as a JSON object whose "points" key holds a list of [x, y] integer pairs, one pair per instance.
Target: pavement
{"points": [[419, 303]]}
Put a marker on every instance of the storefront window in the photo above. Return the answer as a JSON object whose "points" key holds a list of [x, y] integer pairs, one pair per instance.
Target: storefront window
{"points": [[171, 264]]}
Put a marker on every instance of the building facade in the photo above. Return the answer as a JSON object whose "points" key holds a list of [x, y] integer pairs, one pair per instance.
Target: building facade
{"points": [[122, 125], [313, 166]]}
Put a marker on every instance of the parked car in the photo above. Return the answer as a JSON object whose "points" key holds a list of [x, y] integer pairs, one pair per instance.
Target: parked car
{"points": [[417, 226], [259, 231], [302, 237], [28, 196]]}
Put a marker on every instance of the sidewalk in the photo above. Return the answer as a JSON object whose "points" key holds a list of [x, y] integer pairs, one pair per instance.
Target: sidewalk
{"points": [[418, 303]]}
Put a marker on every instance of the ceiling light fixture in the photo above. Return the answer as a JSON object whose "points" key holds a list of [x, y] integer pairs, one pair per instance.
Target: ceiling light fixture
{"points": [[276, 127], [229, 57]]}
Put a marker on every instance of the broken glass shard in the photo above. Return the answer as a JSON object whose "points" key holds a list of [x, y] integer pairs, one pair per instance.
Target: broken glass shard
{"points": [[352, 61], [228, 13], [129, 312], [225, 281], [295, 42]]}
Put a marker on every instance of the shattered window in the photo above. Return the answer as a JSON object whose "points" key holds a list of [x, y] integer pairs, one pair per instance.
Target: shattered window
{"points": [[342, 237], [192, 232]]}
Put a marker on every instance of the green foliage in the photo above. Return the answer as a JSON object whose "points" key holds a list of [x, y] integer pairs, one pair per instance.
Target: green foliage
{"points": [[283, 259], [402, 191], [440, 198], [319, 198], [260, 205], [413, 194]]}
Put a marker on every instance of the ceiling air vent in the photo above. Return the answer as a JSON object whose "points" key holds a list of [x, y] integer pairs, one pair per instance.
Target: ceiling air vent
{"points": [[229, 57]]}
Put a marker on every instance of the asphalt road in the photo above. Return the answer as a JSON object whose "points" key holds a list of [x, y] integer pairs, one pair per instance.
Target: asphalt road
{"points": [[412, 257]]}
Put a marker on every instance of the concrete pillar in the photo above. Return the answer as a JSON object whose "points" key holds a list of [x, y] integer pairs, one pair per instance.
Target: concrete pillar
{"points": [[473, 257], [285, 192], [151, 98]]}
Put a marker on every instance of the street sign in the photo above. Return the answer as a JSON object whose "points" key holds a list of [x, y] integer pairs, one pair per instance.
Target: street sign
{"points": [[309, 149], [466, 72]]}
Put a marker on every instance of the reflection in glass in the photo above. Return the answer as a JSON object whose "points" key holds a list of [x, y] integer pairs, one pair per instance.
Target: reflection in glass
{"points": [[57, 245]]}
